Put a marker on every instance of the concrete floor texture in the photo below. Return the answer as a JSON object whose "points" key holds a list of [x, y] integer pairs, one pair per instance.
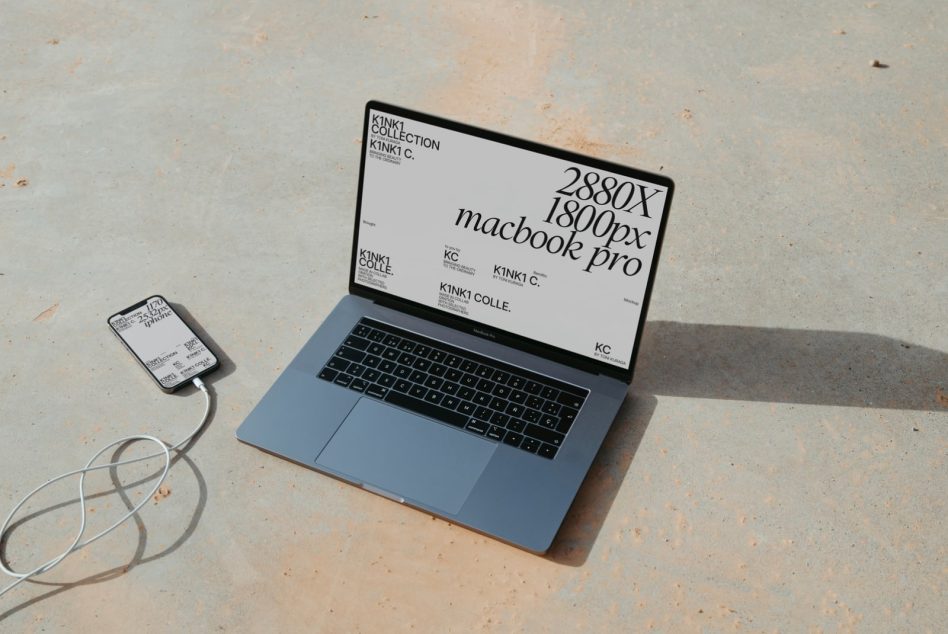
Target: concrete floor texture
{"points": [[780, 461]]}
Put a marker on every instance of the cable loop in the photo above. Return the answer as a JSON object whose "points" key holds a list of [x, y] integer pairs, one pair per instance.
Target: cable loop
{"points": [[77, 542]]}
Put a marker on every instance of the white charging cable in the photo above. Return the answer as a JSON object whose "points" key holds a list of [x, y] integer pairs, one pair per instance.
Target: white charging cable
{"points": [[77, 542]]}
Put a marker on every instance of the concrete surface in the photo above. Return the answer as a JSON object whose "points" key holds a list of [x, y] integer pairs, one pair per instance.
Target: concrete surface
{"points": [[780, 464]]}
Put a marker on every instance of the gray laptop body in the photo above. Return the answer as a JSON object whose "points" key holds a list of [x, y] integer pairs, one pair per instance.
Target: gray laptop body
{"points": [[485, 472]]}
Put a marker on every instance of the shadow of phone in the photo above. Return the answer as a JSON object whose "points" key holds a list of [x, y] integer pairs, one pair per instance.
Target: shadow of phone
{"points": [[227, 365]]}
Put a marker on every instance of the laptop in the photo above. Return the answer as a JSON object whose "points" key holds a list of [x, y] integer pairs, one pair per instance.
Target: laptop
{"points": [[497, 294]]}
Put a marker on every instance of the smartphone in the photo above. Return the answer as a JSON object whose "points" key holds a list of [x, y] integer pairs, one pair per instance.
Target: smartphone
{"points": [[163, 344]]}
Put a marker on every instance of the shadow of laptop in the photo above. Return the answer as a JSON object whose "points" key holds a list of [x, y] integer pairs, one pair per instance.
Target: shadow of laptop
{"points": [[772, 365]]}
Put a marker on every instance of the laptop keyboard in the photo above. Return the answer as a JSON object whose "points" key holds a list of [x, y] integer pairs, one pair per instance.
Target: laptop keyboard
{"points": [[480, 395]]}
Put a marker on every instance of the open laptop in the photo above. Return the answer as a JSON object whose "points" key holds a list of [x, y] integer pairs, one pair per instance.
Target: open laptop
{"points": [[497, 294]]}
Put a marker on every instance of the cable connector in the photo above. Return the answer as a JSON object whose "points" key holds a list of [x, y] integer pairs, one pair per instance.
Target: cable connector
{"points": [[199, 384]]}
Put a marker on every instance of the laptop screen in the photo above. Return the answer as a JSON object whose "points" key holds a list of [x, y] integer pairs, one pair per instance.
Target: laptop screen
{"points": [[551, 246]]}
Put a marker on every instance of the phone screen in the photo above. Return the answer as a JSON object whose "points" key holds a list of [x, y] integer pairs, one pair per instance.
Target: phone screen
{"points": [[163, 343]]}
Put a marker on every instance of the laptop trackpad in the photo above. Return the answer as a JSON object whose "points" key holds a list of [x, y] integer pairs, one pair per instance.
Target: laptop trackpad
{"points": [[406, 455]]}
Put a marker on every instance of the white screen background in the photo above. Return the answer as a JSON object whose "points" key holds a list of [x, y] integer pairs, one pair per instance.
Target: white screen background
{"points": [[163, 343], [408, 215]]}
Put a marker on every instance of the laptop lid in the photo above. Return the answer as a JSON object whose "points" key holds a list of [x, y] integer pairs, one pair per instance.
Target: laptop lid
{"points": [[538, 248]]}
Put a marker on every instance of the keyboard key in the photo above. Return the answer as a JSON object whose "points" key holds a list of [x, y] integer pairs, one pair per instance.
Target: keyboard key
{"points": [[356, 370], [406, 359], [377, 391], [496, 432], [532, 387], [513, 439], [501, 390], [338, 364], [466, 408], [406, 345], [450, 388], [466, 393], [498, 404], [392, 340], [417, 376], [499, 419], [546, 435], [531, 415], [433, 382], [478, 426], [547, 451], [387, 367], [437, 369], [434, 397], [386, 380], [500, 376], [550, 408], [570, 400], [328, 374], [350, 354], [452, 361], [517, 382], [390, 353], [484, 372], [427, 409], [550, 393], [468, 366], [485, 386], [343, 379], [422, 350], [481, 398], [418, 391], [402, 371], [376, 348], [421, 364], [372, 362], [482, 412], [371, 375], [469, 380], [534, 401], [402, 385], [514, 410], [361, 330], [530, 444], [357, 342], [568, 415], [518, 397], [515, 424], [358, 385], [376, 335], [453, 375], [450, 402], [550, 422], [437, 356]]}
